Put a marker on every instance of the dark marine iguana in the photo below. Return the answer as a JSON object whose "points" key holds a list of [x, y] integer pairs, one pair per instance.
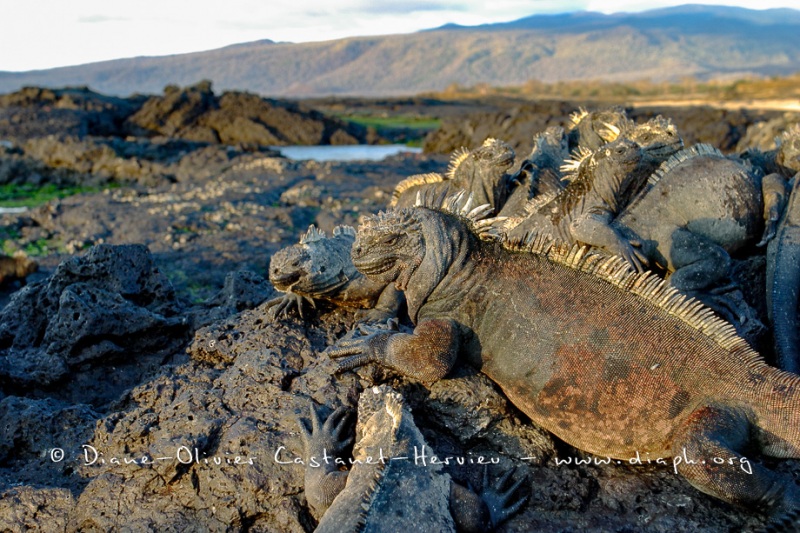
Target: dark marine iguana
{"points": [[599, 186], [386, 489], [539, 173], [784, 159], [697, 209], [320, 268], [611, 361], [482, 172], [783, 284]]}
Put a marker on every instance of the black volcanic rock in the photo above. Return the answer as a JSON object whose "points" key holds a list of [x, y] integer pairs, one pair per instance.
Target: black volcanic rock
{"points": [[111, 303], [196, 114]]}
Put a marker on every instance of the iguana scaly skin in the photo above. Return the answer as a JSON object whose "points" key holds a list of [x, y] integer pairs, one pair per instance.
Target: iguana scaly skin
{"points": [[784, 159], [591, 130], [783, 284], [483, 172], [658, 137], [600, 185], [696, 210], [611, 361], [386, 489], [320, 268], [540, 173]]}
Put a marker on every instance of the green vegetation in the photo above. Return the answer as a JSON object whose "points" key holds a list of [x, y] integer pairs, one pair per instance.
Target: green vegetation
{"points": [[28, 195], [402, 129], [396, 122]]}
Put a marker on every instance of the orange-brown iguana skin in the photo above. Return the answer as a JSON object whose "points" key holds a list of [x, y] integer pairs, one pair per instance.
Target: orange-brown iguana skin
{"points": [[613, 362]]}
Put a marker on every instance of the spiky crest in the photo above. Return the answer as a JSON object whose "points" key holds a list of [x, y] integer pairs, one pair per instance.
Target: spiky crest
{"points": [[312, 235], [458, 157], [462, 205], [578, 115], [414, 181], [618, 272], [698, 150], [572, 166], [792, 131], [344, 230]]}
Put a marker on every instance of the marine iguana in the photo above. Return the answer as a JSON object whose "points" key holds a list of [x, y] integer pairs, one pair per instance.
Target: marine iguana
{"points": [[783, 284], [591, 130], [600, 185], [482, 172], [784, 159], [613, 362], [539, 173], [386, 489], [320, 268], [697, 209], [16, 268]]}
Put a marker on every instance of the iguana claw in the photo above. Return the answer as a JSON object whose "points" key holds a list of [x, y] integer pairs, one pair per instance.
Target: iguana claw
{"points": [[282, 306], [499, 498], [327, 435], [365, 346]]}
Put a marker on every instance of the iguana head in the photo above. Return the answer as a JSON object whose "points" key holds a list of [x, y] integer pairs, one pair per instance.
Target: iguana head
{"points": [[483, 171], [315, 266], [616, 171], [658, 137], [389, 246], [415, 247], [591, 130], [788, 155]]}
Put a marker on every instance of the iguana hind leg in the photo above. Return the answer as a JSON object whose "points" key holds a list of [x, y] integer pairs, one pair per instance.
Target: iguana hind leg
{"points": [[709, 452]]}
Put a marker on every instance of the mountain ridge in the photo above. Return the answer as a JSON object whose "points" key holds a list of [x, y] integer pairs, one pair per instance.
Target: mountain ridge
{"points": [[663, 44]]}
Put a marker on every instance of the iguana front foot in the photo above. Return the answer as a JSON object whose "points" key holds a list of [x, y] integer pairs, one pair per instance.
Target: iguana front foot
{"points": [[282, 306], [328, 439], [500, 497], [427, 354], [366, 345]]}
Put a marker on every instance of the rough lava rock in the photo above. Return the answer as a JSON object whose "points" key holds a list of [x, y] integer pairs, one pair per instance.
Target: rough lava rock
{"points": [[109, 303]]}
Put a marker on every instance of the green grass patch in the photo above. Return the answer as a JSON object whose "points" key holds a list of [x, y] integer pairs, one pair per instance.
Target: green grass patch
{"points": [[28, 195], [396, 122]]}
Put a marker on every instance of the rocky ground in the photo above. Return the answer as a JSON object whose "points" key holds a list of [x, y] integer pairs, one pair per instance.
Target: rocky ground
{"points": [[143, 385]]}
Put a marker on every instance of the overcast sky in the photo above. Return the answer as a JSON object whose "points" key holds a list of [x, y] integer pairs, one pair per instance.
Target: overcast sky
{"points": [[37, 34]]}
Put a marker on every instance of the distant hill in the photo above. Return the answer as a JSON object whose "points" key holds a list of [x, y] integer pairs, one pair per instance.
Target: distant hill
{"points": [[663, 45]]}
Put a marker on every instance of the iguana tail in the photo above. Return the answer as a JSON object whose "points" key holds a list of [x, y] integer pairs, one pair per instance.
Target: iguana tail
{"points": [[783, 284]]}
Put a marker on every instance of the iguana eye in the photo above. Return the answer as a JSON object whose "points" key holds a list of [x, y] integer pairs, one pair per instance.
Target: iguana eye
{"points": [[390, 240]]}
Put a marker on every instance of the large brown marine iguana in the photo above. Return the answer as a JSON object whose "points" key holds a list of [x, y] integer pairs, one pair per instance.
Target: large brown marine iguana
{"points": [[320, 268], [387, 489], [615, 363]]}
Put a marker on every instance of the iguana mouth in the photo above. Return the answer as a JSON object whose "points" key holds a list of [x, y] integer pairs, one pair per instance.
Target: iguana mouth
{"points": [[283, 280], [373, 266]]}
